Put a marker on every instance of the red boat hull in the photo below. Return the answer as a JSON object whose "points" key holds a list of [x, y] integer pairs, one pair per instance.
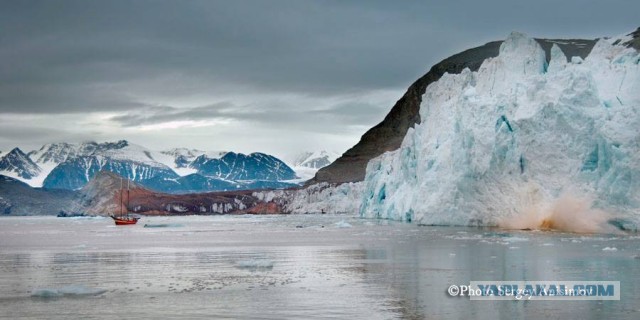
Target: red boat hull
{"points": [[123, 221]]}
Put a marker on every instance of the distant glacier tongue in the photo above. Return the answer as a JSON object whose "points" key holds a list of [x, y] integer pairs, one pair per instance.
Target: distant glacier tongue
{"points": [[516, 137]]}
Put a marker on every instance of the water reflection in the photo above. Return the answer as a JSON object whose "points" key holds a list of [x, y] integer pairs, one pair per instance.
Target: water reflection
{"points": [[370, 271]]}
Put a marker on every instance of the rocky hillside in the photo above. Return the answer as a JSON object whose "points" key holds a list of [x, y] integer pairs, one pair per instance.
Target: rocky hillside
{"points": [[388, 134], [18, 198], [103, 196]]}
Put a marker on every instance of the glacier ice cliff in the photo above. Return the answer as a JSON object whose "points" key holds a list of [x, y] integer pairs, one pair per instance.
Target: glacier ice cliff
{"points": [[317, 198], [516, 136]]}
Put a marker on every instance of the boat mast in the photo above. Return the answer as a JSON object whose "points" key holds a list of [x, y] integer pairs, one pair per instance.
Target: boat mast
{"points": [[128, 197], [120, 197]]}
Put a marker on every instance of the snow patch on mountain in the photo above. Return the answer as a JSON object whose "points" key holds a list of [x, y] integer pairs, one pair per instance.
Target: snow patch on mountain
{"points": [[18, 165], [516, 136], [54, 153], [314, 160], [307, 163], [179, 159], [239, 166]]}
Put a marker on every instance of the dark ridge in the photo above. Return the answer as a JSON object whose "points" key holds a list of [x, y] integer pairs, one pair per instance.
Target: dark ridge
{"points": [[18, 198], [388, 134], [635, 42]]}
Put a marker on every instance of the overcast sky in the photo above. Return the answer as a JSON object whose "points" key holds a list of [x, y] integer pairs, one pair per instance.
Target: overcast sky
{"points": [[271, 76]]}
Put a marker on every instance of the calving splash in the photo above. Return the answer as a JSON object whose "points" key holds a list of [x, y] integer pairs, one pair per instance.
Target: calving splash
{"points": [[521, 143], [567, 213]]}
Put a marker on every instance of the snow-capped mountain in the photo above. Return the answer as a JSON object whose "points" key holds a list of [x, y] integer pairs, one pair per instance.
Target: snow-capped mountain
{"points": [[517, 138], [314, 160], [307, 163], [75, 172], [238, 166], [52, 154], [82, 162], [182, 157], [179, 159], [18, 165], [56, 153], [180, 170]]}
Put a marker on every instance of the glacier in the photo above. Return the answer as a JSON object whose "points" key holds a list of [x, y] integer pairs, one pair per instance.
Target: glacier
{"points": [[518, 136], [317, 198]]}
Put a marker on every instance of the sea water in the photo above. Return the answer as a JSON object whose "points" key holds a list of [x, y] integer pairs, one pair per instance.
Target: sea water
{"points": [[296, 267]]}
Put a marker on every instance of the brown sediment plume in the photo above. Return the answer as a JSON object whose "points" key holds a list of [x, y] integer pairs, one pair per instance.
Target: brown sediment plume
{"points": [[568, 213]]}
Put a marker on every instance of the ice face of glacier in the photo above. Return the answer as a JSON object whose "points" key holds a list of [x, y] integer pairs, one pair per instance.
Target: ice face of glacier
{"points": [[317, 198], [516, 136]]}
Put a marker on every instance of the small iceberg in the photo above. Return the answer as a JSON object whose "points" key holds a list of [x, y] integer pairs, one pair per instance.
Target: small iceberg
{"points": [[255, 264], [343, 224], [609, 249], [514, 239], [497, 235], [163, 225], [623, 224], [68, 291]]}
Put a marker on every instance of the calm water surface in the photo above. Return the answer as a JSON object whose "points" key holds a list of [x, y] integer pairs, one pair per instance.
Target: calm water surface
{"points": [[295, 267]]}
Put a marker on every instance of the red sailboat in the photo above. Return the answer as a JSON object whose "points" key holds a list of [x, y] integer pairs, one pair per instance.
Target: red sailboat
{"points": [[124, 219]]}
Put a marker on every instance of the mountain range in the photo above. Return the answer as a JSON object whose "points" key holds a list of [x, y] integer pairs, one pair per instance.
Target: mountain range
{"points": [[71, 166]]}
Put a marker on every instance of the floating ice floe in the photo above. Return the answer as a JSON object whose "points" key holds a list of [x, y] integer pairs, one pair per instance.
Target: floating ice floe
{"points": [[514, 239], [67, 291], [609, 249], [343, 224], [255, 264], [163, 225]]}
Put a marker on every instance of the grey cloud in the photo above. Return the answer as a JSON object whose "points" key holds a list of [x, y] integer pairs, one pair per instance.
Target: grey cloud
{"points": [[162, 114], [131, 58], [356, 113], [93, 49], [331, 118], [54, 98], [19, 134], [30, 137]]}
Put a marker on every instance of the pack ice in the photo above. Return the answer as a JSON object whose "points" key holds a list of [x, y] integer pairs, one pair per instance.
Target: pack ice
{"points": [[517, 136]]}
